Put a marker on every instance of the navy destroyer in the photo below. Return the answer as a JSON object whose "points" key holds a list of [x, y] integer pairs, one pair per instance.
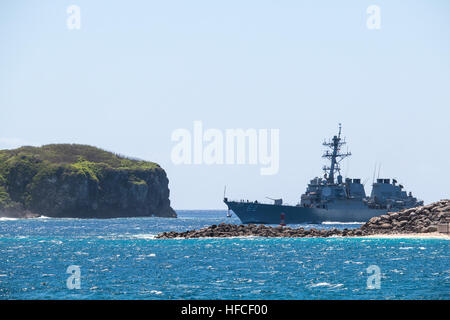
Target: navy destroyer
{"points": [[330, 198]]}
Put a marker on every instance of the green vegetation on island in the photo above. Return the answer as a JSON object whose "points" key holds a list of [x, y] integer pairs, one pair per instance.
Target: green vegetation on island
{"points": [[72, 180]]}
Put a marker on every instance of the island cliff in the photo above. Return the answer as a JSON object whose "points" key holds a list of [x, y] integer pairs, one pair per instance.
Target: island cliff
{"points": [[80, 181]]}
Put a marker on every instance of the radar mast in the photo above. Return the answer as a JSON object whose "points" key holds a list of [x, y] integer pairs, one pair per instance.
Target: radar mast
{"points": [[334, 155]]}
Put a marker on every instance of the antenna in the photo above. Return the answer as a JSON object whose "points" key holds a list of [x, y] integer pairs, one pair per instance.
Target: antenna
{"points": [[347, 167], [224, 191], [374, 171], [334, 155], [379, 169], [365, 181]]}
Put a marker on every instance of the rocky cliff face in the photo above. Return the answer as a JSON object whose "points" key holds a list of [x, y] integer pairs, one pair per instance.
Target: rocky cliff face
{"points": [[82, 182]]}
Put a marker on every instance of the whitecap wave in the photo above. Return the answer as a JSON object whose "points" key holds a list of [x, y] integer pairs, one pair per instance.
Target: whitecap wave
{"points": [[156, 292], [144, 236], [326, 284], [337, 222], [8, 219], [13, 219]]}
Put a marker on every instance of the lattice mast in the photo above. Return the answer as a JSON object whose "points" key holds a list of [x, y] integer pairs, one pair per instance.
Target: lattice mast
{"points": [[335, 156]]}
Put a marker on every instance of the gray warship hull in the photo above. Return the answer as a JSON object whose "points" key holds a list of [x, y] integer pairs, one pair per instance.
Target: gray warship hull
{"points": [[330, 198], [250, 212]]}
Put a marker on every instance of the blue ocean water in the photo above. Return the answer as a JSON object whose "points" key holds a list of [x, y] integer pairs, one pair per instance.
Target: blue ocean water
{"points": [[120, 259]]}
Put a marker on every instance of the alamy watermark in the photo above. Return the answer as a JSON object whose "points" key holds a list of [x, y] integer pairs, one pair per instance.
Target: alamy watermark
{"points": [[230, 147], [374, 278], [373, 21], [74, 280], [73, 21]]}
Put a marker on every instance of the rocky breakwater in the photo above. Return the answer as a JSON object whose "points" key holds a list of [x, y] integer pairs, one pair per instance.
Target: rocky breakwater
{"points": [[422, 219], [79, 181], [232, 230]]}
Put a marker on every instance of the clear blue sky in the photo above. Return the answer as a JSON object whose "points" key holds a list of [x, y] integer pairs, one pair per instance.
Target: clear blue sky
{"points": [[137, 70]]}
